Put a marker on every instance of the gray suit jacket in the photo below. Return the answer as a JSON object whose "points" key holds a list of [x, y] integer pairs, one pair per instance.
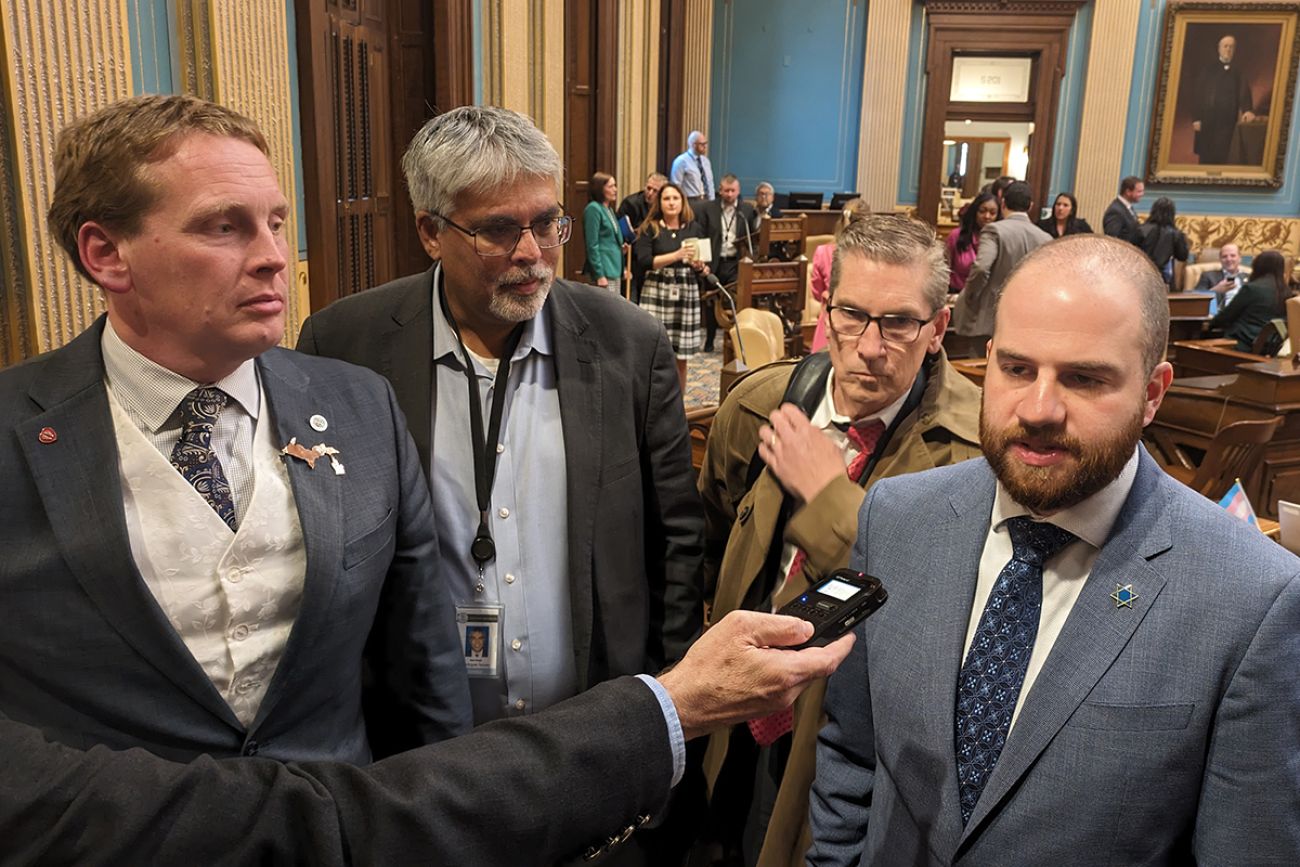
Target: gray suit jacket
{"points": [[1002, 245], [1165, 733], [86, 652], [527, 791], [636, 525], [1120, 222]]}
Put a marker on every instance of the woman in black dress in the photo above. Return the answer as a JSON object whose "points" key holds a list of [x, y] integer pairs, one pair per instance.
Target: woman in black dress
{"points": [[1065, 219], [671, 291]]}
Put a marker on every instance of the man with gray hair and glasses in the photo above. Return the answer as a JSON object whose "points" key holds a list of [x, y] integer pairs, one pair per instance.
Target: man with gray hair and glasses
{"points": [[792, 453], [547, 416]]}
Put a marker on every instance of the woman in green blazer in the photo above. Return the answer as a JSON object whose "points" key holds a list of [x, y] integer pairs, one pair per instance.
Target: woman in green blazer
{"points": [[600, 230], [1260, 300]]}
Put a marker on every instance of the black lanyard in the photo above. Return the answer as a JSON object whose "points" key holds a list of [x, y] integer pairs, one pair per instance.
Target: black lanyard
{"points": [[483, 549]]}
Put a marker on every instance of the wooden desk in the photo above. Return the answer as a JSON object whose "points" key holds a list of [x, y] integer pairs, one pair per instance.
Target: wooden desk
{"points": [[971, 368], [819, 222], [1197, 407], [1208, 357], [1187, 327], [1190, 303]]}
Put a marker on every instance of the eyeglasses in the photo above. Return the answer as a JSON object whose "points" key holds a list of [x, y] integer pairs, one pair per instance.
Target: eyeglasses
{"points": [[500, 239], [851, 322]]}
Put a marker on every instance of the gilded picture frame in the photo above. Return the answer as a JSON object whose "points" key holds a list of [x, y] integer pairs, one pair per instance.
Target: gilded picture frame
{"points": [[1225, 94]]}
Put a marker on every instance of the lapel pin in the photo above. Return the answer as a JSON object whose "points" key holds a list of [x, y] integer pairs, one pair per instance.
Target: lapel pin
{"points": [[301, 452], [318, 423], [1123, 596], [310, 455], [48, 435]]}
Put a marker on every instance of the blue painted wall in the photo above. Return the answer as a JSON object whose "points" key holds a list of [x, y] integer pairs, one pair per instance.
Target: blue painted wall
{"points": [[1241, 201], [151, 26], [1069, 109], [787, 92]]}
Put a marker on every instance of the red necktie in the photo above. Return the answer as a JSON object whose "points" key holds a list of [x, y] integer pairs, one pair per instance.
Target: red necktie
{"points": [[767, 730]]}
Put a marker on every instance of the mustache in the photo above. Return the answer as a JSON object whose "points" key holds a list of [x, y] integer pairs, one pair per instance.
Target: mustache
{"points": [[1049, 436], [526, 274]]}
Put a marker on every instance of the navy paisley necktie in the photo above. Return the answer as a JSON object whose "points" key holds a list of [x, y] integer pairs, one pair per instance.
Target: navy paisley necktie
{"points": [[193, 456], [990, 681]]}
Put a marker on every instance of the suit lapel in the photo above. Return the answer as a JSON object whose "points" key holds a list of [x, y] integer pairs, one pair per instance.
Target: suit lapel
{"points": [[579, 378], [1094, 634], [408, 360], [939, 631], [292, 401], [80, 487]]}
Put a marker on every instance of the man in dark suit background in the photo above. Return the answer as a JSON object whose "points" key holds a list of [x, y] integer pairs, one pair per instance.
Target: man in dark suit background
{"points": [[1120, 221], [1222, 98], [207, 538], [636, 208], [730, 225], [765, 201], [594, 526]]}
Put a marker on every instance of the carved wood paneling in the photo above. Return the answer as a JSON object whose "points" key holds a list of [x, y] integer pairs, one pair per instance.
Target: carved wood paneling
{"points": [[63, 59], [638, 71], [698, 71]]}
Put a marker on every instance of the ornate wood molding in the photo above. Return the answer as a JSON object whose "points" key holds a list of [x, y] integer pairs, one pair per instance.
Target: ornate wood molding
{"points": [[1017, 7], [63, 59]]}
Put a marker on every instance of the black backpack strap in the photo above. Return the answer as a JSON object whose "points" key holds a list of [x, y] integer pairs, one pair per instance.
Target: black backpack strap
{"points": [[805, 389]]}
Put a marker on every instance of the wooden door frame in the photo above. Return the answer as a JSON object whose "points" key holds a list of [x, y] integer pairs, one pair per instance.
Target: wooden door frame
{"points": [[1040, 28], [672, 81], [452, 85]]}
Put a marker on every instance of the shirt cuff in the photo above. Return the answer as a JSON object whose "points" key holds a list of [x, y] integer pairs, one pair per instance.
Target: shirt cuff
{"points": [[676, 739]]}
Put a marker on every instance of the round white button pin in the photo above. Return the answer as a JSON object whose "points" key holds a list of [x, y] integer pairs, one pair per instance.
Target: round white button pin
{"points": [[318, 423]]}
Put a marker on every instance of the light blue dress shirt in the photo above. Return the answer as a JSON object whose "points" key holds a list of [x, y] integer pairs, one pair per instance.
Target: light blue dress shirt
{"points": [[529, 577]]}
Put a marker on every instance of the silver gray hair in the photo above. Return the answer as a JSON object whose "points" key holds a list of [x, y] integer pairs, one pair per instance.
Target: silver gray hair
{"points": [[894, 239], [474, 149], [693, 138], [764, 185]]}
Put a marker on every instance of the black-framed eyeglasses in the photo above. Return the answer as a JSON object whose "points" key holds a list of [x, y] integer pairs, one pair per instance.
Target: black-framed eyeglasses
{"points": [[500, 239], [852, 322]]}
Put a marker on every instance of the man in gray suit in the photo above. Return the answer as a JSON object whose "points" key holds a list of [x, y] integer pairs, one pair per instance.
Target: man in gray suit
{"points": [[210, 543], [1002, 245], [1081, 660]]}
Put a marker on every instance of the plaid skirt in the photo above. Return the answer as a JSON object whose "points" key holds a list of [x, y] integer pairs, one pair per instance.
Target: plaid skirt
{"points": [[672, 296]]}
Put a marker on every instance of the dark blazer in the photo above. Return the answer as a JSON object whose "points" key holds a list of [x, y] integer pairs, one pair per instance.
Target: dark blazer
{"points": [[1164, 733], [709, 216], [635, 522], [527, 791], [1249, 311], [1120, 222], [1078, 226], [635, 208], [1211, 278], [86, 652]]}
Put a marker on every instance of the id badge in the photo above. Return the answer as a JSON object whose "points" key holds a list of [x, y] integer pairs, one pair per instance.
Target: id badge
{"points": [[674, 293], [480, 631]]}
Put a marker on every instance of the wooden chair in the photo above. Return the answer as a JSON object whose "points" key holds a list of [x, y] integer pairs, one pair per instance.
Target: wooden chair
{"points": [[788, 232], [699, 421], [1235, 453]]}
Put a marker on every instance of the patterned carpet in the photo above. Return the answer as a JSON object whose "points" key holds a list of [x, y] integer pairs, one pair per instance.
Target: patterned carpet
{"points": [[702, 383]]}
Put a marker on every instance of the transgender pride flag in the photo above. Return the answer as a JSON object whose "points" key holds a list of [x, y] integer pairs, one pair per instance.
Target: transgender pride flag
{"points": [[1236, 503]]}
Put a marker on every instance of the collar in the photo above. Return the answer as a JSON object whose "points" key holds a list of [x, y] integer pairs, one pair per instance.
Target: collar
{"points": [[1021, 215], [150, 392], [1126, 203], [536, 336], [1090, 520], [826, 415]]}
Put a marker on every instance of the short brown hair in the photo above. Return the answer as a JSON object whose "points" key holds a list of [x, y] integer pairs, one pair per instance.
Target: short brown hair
{"points": [[894, 239], [100, 160]]}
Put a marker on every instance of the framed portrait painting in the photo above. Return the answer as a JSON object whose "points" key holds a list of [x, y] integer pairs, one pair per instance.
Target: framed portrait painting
{"points": [[1225, 93]]}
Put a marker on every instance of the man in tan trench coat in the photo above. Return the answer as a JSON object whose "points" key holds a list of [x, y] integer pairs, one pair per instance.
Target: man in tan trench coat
{"points": [[781, 502]]}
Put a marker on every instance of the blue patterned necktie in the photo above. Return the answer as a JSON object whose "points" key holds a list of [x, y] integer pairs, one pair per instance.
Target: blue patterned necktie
{"points": [[990, 681], [193, 456]]}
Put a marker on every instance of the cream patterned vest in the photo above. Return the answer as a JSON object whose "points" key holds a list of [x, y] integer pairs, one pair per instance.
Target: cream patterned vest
{"points": [[232, 597]]}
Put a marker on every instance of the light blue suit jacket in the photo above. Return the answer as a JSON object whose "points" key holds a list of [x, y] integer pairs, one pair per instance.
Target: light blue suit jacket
{"points": [[1165, 733]]}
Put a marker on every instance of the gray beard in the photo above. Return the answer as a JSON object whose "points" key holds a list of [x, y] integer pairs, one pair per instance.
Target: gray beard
{"points": [[511, 308]]}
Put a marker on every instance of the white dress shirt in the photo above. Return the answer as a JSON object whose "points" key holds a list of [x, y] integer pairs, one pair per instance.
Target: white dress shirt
{"points": [[1063, 575]]}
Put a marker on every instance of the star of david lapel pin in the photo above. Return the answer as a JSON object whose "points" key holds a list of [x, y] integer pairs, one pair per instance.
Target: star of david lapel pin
{"points": [[1124, 596]]}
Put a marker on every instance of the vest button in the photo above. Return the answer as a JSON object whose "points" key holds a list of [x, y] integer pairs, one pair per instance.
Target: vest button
{"points": [[250, 748]]}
